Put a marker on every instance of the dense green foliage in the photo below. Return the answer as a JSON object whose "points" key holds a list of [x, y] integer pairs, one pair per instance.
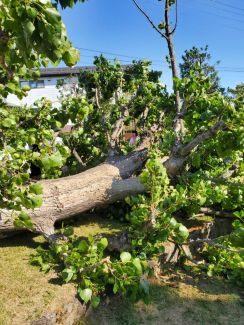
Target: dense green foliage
{"points": [[197, 60], [87, 264], [151, 218], [32, 33], [223, 258]]}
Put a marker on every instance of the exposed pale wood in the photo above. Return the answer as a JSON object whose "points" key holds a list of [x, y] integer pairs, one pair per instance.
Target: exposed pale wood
{"points": [[68, 196]]}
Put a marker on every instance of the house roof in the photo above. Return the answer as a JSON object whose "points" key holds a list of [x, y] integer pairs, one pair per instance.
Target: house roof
{"points": [[53, 72]]}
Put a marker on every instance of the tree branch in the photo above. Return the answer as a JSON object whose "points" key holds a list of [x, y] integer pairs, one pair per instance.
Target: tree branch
{"points": [[176, 18], [77, 157], [97, 98], [208, 211], [118, 127], [186, 150], [212, 242], [149, 19]]}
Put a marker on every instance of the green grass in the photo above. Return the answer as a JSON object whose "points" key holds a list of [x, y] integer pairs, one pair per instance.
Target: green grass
{"points": [[25, 292]]}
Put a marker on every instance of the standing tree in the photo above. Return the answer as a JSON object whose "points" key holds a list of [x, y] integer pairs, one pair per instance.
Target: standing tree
{"points": [[165, 30], [238, 92], [196, 60]]}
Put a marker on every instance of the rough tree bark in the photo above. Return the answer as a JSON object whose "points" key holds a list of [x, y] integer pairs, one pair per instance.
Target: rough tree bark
{"points": [[68, 196]]}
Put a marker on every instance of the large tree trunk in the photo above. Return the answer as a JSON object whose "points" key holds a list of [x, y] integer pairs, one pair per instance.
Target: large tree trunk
{"points": [[68, 196]]}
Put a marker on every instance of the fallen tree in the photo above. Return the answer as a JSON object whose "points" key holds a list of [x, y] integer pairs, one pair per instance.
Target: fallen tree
{"points": [[183, 158], [66, 197]]}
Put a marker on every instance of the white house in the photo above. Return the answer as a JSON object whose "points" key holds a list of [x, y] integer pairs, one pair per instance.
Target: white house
{"points": [[45, 86]]}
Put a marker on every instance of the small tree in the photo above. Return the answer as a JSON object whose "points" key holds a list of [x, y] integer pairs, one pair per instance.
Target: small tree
{"points": [[197, 60]]}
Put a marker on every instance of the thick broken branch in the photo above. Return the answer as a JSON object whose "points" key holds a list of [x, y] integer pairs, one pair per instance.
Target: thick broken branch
{"points": [[186, 150]]}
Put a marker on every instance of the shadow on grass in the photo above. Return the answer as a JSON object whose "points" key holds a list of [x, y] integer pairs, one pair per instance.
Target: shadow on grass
{"points": [[83, 224], [178, 304], [25, 239]]}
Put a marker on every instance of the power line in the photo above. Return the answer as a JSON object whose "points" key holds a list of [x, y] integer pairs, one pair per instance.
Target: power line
{"points": [[122, 60], [220, 68], [118, 54], [226, 18], [109, 53], [226, 10], [227, 5]]}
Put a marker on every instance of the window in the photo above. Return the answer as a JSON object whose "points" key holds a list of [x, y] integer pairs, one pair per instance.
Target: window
{"points": [[33, 84], [40, 84], [24, 83], [36, 84]]}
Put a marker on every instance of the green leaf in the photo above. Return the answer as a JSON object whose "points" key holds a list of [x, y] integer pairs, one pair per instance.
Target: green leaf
{"points": [[172, 222], [125, 257], [104, 242], [237, 237], [95, 301], [11, 86], [144, 285], [23, 221], [85, 294], [45, 267], [52, 15], [137, 264], [68, 231], [71, 57], [183, 232], [36, 201], [8, 122], [36, 189], [67, 274], [115, 288], [31, 12], [28, 27], [83, 246]]}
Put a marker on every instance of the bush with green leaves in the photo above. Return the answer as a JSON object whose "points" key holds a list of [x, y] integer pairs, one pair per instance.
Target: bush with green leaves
{"points": [[226, 256], [86, 263], [151, 219]]}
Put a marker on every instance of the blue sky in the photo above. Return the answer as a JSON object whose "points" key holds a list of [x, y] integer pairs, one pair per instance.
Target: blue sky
{"points": [[117, 27]]}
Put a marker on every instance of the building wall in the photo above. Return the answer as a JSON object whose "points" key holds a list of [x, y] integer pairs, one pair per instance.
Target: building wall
{"points": [[49, 91]]}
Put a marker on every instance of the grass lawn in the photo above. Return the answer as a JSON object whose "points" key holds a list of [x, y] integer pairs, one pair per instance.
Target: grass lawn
{"points": [[26, 293]]}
